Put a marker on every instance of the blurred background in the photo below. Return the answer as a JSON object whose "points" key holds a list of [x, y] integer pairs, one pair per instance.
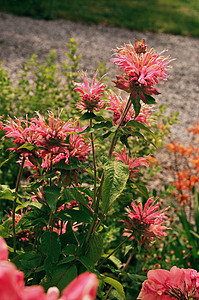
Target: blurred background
{"points": [[169, 16]]}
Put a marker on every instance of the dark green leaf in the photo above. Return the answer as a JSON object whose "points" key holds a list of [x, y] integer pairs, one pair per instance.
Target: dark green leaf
{"points": [[149, 99], [95, 249], [52, 194], [61, 277], [51, 245], [136, 106], [75, 215]]}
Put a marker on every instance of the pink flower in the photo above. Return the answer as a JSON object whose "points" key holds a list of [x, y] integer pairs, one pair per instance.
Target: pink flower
{"points": [[20, 132], [84, 287], [3, 249], [90, 94], [174, 284], [131, 162], [117, 104], [12, 286], [146, 223], [142, 68]]}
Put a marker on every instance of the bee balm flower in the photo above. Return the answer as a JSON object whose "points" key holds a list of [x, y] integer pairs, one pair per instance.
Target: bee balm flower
{"points": [[145, 222], [90, 94], [142, 68]]}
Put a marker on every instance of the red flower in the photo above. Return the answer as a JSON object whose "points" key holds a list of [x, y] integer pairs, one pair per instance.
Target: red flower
{"points": [[90, 94]]}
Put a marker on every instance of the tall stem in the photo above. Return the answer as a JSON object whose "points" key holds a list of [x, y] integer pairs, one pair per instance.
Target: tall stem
{"points": [[114, 140], [14, 204], [94, 164]]}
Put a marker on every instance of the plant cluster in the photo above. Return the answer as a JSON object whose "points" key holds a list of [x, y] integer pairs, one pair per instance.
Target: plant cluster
{"points": [[83, 205]]}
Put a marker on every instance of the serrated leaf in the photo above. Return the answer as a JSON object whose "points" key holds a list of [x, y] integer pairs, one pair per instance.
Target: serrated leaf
{"points": [[116, 284], [51, 245], [95, 249], [61, 277], [115, 178], [52, 194]]}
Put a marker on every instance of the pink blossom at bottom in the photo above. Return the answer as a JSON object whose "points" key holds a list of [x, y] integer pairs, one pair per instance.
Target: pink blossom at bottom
{"points": [[174, 284], [3, 249], [84, 287], [12, 286]]}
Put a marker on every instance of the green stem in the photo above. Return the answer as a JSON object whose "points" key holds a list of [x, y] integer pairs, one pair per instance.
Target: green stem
{"points": [[114, 140], [94, 164], [14, 205], [124, 241]]}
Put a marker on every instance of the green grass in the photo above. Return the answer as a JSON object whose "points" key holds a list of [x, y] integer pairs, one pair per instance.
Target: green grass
{"points": [[169, 16]]}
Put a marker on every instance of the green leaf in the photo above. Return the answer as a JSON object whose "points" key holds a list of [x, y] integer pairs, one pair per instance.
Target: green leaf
{"points": [[88, 264], [27, 146], [62, 276], [143, 190], [116, 261], [87, 116], [73, 194], [136, 106], [196, 208], [149, 99], [77, 215], [73, 163], [51, 245], [29, 203], [115, 178], [95, 249], [52, 194], [116, 284], [11, 155], [7, 194], [140, 125], [137, 278]]}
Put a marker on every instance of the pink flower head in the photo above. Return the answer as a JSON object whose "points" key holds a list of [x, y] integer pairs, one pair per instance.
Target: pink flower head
{"points": [[147, 222], [3, 249], [20, 132], [12, 285], [142, 68], [90, 94], [117, 104], [84, 287], [174, 284], [51, 133], [131, 162]]}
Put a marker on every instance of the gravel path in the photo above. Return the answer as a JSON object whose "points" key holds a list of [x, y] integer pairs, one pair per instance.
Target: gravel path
{"points": [[20, 37]]}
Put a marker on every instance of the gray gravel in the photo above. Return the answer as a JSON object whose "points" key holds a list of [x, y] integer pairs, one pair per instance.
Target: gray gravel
{"points": [[20, 37]]}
